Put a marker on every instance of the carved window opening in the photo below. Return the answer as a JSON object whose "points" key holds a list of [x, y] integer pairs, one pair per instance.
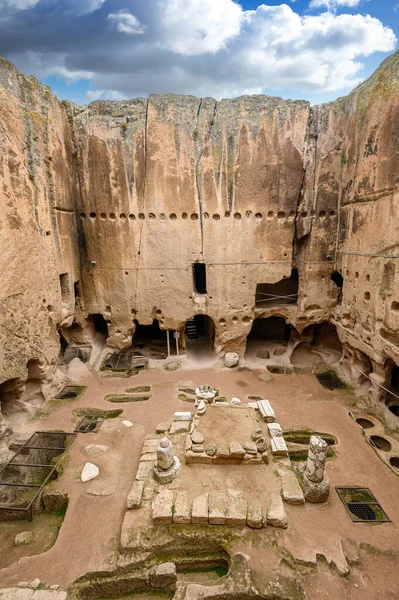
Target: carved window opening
{"points": [[284, 291], [199, 274]]}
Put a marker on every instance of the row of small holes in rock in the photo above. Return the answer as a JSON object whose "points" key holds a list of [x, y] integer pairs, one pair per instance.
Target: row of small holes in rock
{"points": [[193, 217]]}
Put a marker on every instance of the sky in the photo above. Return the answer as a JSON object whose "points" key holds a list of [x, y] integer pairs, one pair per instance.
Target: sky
{"points": [[88, 50]]}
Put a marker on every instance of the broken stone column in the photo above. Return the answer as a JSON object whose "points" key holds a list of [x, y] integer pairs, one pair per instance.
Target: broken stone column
{"points": [[168, 465], [316, 485]]}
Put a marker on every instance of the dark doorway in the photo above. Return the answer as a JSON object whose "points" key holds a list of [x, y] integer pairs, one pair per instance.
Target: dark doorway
{"points": [[268, 339], [100, 324], [200, 336], [199, 274], [338, 280], [151, 340]]}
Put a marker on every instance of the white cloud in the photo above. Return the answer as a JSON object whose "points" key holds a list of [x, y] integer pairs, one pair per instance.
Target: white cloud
{"points": [[107, 94], [198, 26], [333, 4], [199, 47], [11, 6], [126, 22], [84, 7]]}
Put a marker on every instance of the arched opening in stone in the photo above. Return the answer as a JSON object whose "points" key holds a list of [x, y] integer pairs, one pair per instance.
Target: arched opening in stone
{"points": [[199, 336], [268, 340], [282, 292]]}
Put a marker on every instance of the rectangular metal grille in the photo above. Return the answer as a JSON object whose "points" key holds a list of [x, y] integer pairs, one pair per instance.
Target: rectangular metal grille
{"points": [[362, 505]]}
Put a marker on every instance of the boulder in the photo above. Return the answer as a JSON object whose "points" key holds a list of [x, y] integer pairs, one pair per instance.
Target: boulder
{"points": [[163, 576], [24, 538], [197, 437], [201, 410], [231, 359], [236, 450], [90, 471], [235, 402]]}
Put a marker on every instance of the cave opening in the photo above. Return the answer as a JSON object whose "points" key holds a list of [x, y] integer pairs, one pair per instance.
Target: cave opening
{"points": [[99, 324], [320, 346], [284, 291], [199, 336], [151, 340], [392, 400], [10, 392], [199, 276], [268, 338], [338, 280]]}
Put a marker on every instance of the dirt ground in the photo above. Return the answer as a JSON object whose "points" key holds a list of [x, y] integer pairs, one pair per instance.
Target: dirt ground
{"points": [[89, 537]]}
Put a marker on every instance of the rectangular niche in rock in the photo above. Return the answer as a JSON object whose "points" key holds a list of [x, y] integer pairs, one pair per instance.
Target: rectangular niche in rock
{"points": [[199, 275], [284, 291]]}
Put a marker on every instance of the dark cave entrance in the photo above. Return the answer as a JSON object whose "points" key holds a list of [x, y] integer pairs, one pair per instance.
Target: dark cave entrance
{"points": [[199, 336], [268, 338]]}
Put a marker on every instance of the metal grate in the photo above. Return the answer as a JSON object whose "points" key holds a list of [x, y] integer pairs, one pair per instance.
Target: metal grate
{"points": [[362, 505], [70, 392], [24, 476], [125, 361], [89, 423]]}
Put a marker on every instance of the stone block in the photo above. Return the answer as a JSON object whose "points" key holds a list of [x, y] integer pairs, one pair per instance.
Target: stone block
{"points": [[223, 452], [149, 446], [149, 456], [254, 514], [181, 512], [54, 500], [216, 509], [198, 448], [276, 515], [199, 458], [162, 507], [265, 458], [251, 459], [236, 508], [253, 405], [292, 491], [182, 416], [275, 429], [199, 510], [163, 576], [180, 426], [250, 447], [144, 470], [197, 437], [162, 427], [236, 450], [135, 496], [266, 411], [16, 594], [279, 447]]}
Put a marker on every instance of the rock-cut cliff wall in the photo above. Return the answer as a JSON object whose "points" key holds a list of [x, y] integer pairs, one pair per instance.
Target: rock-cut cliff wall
{"points": [[105, 209]]}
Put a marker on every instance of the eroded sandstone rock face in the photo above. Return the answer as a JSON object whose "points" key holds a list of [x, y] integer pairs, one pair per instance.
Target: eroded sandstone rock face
{"points": [[107, 207]]}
